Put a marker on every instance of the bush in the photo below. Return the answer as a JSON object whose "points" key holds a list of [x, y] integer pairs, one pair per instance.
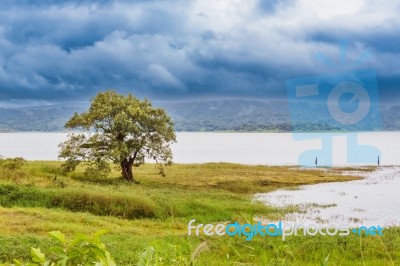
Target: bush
{"points": [[12, 163], [82, 250]]}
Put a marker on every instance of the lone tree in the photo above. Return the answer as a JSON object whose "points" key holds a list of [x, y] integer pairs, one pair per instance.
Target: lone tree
{"points": [[123, 130]]}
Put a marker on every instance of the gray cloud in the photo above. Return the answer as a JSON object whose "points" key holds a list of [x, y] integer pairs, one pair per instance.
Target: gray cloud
{"points": [[161, 49]]}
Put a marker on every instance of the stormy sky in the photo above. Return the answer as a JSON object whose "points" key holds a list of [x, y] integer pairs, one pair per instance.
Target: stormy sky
{"points": [[55, 51]]}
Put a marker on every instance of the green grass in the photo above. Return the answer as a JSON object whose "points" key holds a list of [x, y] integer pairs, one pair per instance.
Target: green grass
{"points": [[153, 216]]}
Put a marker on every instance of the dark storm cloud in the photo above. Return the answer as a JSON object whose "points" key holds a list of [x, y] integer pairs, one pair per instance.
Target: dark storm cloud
{"points": [[53, 50]]}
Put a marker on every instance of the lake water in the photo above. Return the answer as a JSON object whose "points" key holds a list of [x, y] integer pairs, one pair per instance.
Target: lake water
{"points": [[246, 148], [372, 201]]}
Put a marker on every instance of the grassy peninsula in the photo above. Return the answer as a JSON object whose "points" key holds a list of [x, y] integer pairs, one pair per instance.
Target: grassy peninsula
{"points": [[151, 217]]}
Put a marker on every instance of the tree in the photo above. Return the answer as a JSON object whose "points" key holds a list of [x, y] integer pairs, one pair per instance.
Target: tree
{"points": [[123, 130]]}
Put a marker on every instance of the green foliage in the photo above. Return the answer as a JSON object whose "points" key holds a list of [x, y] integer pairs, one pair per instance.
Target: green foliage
{"points": [[325, 262], [147, 257], [82, 250], [12, 168], [101, 170], [12, 163], [77, 200], [160, 254], [126, 132]]}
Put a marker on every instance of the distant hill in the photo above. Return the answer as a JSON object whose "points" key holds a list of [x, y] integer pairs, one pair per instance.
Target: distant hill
{"points": [[37, 118], [210, 115], [228, 115]]}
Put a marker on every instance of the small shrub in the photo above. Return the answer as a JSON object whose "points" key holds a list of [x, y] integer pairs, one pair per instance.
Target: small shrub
{"points": [[82, 250], [12, 163], [69, 166]]}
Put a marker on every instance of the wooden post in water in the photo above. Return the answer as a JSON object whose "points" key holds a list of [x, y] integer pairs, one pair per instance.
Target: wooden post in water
{"points": [[316, 161], [379, 161]]}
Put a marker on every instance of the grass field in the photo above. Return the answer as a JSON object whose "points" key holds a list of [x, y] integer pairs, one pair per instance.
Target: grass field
{"points": [[152, 217]]}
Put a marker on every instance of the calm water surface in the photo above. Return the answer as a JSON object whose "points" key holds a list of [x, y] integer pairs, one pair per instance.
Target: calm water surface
{"points": [[374, 200], [247, 148]]}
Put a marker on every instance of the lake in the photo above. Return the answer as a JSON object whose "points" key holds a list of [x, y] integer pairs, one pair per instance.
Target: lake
{"points": [[246, 148], [371, 201]]}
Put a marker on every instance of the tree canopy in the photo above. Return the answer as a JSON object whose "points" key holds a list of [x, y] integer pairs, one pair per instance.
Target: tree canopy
{"points": [[122, 129]]}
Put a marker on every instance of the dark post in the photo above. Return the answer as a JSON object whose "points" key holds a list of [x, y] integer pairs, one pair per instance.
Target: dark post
{"points": [[316, 161]]}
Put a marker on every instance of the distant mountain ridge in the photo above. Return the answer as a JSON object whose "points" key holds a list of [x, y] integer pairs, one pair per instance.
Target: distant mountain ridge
{"points": [[206, 115]]}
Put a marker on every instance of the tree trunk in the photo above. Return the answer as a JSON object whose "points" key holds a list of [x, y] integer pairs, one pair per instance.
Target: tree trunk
{"points": [[127, 173]]}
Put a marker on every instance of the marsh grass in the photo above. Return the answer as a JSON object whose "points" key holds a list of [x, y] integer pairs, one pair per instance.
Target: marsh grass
{"points": [[149, 221]]}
